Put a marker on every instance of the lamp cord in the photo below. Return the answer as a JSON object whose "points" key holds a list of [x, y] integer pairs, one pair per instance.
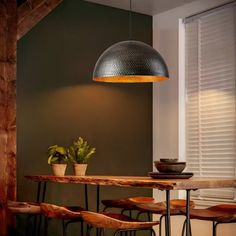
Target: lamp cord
{"points": [[130, 19]]}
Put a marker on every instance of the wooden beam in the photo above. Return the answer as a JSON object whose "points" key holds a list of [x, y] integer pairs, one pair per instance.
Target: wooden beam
{"points": [[8, 31], [31, 12]]}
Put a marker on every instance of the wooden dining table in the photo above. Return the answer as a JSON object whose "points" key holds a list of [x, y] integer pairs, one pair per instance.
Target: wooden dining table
{"points": [[166, 185]]}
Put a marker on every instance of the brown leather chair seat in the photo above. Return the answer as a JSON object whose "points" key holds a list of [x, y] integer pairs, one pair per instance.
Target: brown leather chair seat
{"points": [[176, 208], [214, 213], [219, 214], [126, 203], [30, 209], [117, 222], [66, 214], [23, 207]]}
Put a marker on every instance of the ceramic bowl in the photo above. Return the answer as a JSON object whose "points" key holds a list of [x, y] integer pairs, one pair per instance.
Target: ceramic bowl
{"points": [[170, 167], [167, 160]]}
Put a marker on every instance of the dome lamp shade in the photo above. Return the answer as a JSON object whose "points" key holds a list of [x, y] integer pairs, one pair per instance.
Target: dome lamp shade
{"points": [[130, 62]]}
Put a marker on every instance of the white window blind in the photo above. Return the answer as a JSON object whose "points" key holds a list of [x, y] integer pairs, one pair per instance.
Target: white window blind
{"points": [[210, 106]]}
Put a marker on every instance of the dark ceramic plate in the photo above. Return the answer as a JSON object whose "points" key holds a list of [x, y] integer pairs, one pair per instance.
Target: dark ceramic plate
{"points": [[168, 160], [157, 175]]}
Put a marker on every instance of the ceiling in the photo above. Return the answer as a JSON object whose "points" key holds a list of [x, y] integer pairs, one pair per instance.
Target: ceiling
{"points": [[149, 7]]}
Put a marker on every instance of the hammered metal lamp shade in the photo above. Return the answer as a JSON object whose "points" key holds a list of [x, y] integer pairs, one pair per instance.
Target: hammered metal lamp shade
{"points": [[130, 62]]}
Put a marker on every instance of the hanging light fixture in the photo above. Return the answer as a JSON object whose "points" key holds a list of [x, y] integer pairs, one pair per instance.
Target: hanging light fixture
{"points": [[130, 62]]}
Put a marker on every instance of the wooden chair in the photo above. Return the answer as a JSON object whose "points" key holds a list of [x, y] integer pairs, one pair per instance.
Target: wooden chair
{"points": [[30, 209], [118, 222], [66, 214], [219, 214], [126, 204], [177, 207]]}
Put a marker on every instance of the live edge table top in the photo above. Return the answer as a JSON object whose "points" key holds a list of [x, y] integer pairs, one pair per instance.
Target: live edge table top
{"points": [[140, 181]]}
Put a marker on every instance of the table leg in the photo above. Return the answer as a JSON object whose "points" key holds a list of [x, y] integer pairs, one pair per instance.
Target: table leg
{"points": [[40, 198], [98, 197], [44, 191], [86, 196], [37, 200], [187, 211], [38, 191], [168, 223], [98, 200]]}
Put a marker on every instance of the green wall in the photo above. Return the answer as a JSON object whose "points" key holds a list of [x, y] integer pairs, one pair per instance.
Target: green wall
{"points": [[57, 101]]}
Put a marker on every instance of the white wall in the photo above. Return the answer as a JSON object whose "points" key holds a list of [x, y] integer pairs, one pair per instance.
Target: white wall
{"points": [[165, 97]]}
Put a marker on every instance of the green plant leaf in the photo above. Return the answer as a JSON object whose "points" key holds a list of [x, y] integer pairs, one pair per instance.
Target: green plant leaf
{"points": [[80, 151], [57, 154]]}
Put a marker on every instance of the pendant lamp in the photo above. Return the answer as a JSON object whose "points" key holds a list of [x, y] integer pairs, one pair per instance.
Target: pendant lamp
{"points": [[130, 62]]}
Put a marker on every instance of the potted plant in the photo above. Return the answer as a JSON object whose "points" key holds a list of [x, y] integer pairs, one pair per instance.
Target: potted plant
{"points": [[57, 158], [79, 153]]}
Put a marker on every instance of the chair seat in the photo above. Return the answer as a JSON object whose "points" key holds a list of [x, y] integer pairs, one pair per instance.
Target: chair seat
{"points": [[115, 221], [59, 212], [228, 208], [176, 206], [224, 213], [24, 207], [127, 203]]}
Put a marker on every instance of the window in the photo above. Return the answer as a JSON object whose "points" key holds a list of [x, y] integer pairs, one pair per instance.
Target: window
{"points": [[210, 101]]}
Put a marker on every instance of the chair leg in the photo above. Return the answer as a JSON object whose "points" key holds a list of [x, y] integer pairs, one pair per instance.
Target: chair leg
{"points": [[35, 226], [166, 226], [131, 231], [123, 211], [63, 228], [104, 209], [82, 228], [89, 228], [214, 228], [160, 225], [183, 229], [139, 214], [29, 228], [130, 213], [46, 221], [153, 232], [116, 232], [190, 228]]}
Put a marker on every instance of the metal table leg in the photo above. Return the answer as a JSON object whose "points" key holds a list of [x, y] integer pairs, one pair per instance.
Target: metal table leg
{"points": [[40, 198], [38, 191], [44, 191], [41, 195], [37, 200], [168, 226], [86, 196], [98, 197], [98, 201], [187, 211]]}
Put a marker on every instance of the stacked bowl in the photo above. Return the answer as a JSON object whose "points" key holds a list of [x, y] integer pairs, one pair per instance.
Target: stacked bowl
{"points": [[170, 166]]}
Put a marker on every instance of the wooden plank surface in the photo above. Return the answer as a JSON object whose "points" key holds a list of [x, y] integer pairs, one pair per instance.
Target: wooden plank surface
{"points": [[8, 24], [140, 181], [31, 12]]}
